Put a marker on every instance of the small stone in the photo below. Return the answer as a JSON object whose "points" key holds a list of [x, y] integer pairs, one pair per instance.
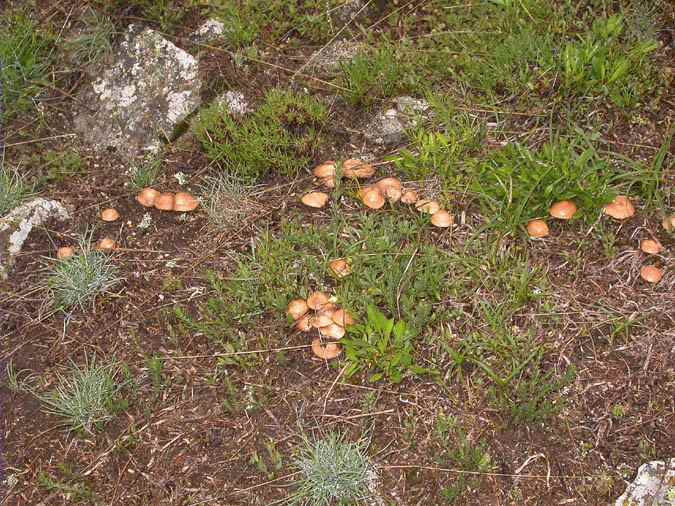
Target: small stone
{"points": [[388, 127], [329, 59], [234, 101], [209, 30], [654, 485]]}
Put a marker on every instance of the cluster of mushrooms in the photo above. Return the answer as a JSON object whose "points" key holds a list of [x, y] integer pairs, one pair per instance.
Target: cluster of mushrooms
{"points": [[621, 208], [181, 202], [320, 312], [376, 195]]}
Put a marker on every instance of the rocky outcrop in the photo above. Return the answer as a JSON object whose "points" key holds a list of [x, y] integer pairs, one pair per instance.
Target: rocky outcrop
{"points": [[654, 485]]}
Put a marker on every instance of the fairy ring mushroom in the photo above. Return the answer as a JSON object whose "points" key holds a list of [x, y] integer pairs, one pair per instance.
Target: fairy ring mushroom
{"points": [[147, 197], [110, 214], [537, 229], [184, 202], [621, 208], [297, 308], [340, 267], [650, 246], [106, 244], [651, 273], [441, 219], [409, 197], [316, 200], [325, 169], [357, 169], [334, 331], [317, 300], [164, 201], [327, 351], [372, 198], [563, 210], [304, 323], [428, 206], [65, 252], [343, 318]]}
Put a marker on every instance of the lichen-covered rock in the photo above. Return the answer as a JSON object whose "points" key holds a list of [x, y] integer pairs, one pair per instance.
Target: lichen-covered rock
{"points": [[234, 101], [209, 30], [15, 227], [329, 58], [151, 87], [388, 127], [654, 485]]}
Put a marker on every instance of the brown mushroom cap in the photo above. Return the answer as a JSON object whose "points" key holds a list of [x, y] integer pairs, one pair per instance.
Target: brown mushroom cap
{"points": [[65, 252], [357, 169], [325, 169], [620, 208], [317, 300], [537, 229], [669, 223], [388, 182], [651, 273], [164, 201], [297, 308], [147, 197], [304, 323], [563, 210], [328, 181], [442, 219], [326, 351], [372, 197], [106, 244], [393, 194], [321, 320], [428, 206], [334, 331], [184, 202], [340, 267], [315, 199], [343, 318], [409, 197], [110, 214], [651, 246]]}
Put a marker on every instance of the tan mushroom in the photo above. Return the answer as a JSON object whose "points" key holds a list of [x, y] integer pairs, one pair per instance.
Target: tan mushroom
{"points": [[343, 318], [325, 169], [328, 181], [563, 210], [297, 308], [106, 244], [537, 229], [334, 331], [164, 201], [110, 214], [184, 202], [354, 168], [317, 300], [651, 246], [304, 323], [409, 197], [340, 267], [428, 206], [620, 208], [326, 351], [651, 273], [669, 223], [372, 197], [442, 219], [65, 252], [390, 188], [315, 199], [320, 320], [147, 197]]}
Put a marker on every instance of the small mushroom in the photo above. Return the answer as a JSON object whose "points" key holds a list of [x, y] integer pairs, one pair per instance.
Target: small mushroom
{"points": [[343, 318], [334, 331], [164, 201], [651, 246], [184, 202], [354, 168], [441, 219], [390, 187], [317, 300], [328, 181], [106, 244], [651, 273], [537, 229], [297, 308], [326, 351], [110, 214], [563, 210], [428, 206], [669, 223], [340, 267], [315, 199], [147, 197], [321, 320], [65, 252], [409, 197], [620, 208], [304, 323], [372, 197], [325, 169]]}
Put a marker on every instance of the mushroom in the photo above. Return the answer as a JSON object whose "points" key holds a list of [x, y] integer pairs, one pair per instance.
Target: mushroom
{"points": [[651, 273], [620, 208], [106, 244], [326, 351], [65, 252], [651, 246], [357, 169], [325, 169], [669, 223], [409, 197], [328, 181], [321, 320], [315, 199], [343, 318], [164, 202], [109, 214], [304, 324], [340, 267], [563, 210], [390, 187], [428, 206], [147, 197], [297, 308], [317, 300], [537, 229], [333, 331], [441, 219], [372, 197], [184, 202]]}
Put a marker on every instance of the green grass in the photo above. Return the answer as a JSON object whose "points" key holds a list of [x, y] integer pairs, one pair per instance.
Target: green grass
{"points": [[145, 173], [332, 471], [24, 62], [281, 136], [14, 189], [227, 201], [94, 39]]}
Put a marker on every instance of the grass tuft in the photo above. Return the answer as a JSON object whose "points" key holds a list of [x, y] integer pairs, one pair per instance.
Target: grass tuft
{"points": [[94, 40], [227, 200], [13, 190]]}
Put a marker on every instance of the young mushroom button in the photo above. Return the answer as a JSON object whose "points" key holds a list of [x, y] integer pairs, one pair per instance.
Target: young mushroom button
{"points": [[563, 210]]}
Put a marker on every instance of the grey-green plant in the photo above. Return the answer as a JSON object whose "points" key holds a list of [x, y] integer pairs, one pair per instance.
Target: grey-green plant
{"points": [[145, 173], [227, 200], [14, 189]]}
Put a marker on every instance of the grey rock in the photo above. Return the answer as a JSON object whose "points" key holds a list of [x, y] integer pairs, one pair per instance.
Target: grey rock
{"points": [[234, 101], [151, 87], [388, 127], [351, 10], [654, 485], [329, 58], [211, 29], [17, 225]]}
